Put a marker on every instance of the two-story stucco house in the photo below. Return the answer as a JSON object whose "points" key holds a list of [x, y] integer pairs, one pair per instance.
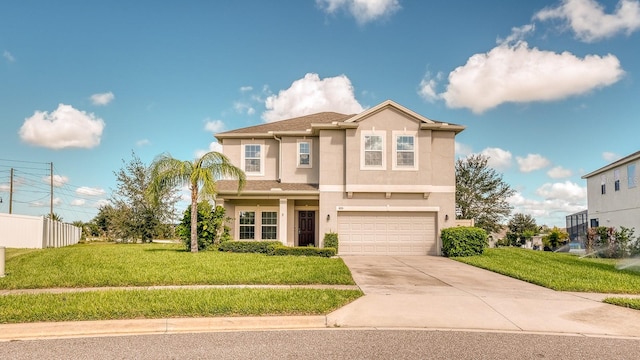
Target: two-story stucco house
{"points": [[384, 180], [613, 194]]}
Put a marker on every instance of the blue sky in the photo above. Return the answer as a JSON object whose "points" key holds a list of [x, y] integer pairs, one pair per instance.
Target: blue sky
{"points": [[548, 89]]}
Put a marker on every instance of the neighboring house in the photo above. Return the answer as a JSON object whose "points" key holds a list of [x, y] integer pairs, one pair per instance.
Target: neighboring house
{"points": [[613, 194], [384, 180], [577, 225]]}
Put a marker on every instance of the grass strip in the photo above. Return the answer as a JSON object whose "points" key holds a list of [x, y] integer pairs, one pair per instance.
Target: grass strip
{"points": [[625, 302], [559, 271], [153, 304], [109, 264]]}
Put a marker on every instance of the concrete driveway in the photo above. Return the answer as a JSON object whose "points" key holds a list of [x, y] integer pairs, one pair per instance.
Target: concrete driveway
{"points": [[439, 293]]}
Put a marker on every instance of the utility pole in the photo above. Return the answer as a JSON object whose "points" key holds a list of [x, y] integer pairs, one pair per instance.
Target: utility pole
{"points": [[11, 192], [51, 201]]}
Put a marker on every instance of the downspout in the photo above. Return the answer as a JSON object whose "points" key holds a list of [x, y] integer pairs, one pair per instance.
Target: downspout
{"points": [[279, 158]]}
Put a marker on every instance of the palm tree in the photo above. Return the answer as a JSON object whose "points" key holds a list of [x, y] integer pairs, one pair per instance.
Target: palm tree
{"points": [[203, 172]]}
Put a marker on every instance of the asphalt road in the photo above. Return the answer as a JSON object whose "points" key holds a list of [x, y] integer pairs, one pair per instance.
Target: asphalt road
{"points": [[327, 344]]}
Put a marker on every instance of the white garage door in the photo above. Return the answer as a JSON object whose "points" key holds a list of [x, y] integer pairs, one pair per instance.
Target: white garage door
{"points": [[387, 233]]}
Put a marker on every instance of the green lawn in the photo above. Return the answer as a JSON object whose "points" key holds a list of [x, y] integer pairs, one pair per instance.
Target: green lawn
{"points": [[114, 265], [108, 264], [140, 304], [559, 271], [625, 302]]}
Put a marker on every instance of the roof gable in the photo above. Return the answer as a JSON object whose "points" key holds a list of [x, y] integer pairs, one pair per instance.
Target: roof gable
{"points": [[386, 105]]}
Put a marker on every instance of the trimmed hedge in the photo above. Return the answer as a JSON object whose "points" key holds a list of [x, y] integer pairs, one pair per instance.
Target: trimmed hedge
{"points": [[463, 241], [260, 247], [331, 240], [281, 250]]}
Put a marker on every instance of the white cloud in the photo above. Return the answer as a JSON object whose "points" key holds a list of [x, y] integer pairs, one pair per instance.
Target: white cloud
{"points": [[550, 212], [559, 172], [65, 127], [610, 156], [311, 95], [214, 126], [428, 88], [56, 201], [462, 150], [363, 11], [5, 187], [143, 142], [58, 180], [532, 162], [567, 191], [100, 203], [78, 202], [102, 99], [588, 20], [244, 108], [8, 56], [89, 191], [498, 158], [517, 34], [246, 88], [519, 74]]}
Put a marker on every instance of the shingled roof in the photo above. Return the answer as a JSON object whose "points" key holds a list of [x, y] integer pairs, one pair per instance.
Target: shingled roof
{"points": [[301, 123]]}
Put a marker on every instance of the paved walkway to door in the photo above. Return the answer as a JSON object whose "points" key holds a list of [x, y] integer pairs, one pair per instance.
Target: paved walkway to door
{"points": [[439, 293]]}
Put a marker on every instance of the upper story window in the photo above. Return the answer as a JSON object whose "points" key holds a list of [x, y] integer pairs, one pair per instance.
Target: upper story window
{"points": [[603, 184], [304, 153], [405, 154], [632, 180], [253, 159], [616, 178], [373, 154]]}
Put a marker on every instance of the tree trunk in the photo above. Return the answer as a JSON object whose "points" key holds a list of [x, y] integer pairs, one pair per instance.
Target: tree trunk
{"points": [[194, 218]]}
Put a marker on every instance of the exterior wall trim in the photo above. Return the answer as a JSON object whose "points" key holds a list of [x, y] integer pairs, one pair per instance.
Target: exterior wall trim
{"points": [[389, 208], [401, 188]]}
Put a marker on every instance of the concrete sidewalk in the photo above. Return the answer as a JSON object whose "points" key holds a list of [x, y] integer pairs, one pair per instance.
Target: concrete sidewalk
{"points": [[400, 292], [439, 293]]}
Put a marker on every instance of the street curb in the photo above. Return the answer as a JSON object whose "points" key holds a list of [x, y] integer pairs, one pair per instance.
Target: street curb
{"points": [[67, 329]]}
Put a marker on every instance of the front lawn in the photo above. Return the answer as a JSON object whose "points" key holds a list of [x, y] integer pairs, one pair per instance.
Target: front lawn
{"points": [[108, 264], [155, 304], [559, 271]]}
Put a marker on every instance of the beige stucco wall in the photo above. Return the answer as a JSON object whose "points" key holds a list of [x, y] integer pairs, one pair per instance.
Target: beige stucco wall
{"points": [[291, 172], [233, 149], [614, 208]]}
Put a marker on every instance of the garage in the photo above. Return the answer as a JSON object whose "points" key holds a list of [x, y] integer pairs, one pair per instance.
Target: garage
{"points": [[387, 233]]}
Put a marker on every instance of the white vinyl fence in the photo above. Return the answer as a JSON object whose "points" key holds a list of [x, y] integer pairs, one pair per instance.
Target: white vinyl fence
{"points": [[36, 232]]}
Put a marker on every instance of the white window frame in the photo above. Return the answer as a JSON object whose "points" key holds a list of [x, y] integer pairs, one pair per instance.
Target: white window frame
{"points": [[244, 158], [298, 153], [363, 135], [412, 134], [257, 225]]}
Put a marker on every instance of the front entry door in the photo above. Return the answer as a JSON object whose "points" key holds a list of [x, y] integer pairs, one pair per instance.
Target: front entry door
{"points": [[306, 228]]}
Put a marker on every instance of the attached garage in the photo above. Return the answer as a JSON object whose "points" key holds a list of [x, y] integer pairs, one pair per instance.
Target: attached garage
{"points": [[387, 233]]}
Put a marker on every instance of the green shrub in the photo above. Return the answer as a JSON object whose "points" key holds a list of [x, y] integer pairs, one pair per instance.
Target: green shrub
{"points": [[211, 226], [259, 247], [463, 241], [331, 240], [281, 250]]}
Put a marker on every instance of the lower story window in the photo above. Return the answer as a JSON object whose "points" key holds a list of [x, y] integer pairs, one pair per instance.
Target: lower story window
{"points": [[269, 225], [247, 225]]}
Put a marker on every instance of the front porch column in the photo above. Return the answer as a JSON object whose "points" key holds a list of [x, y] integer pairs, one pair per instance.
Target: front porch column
{"points": [[282, 222]]}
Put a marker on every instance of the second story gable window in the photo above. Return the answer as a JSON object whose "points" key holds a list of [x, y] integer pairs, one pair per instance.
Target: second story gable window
{"points": [[253, 159], [304, 153], [405, 152], [632, 181], [373, 151]]}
